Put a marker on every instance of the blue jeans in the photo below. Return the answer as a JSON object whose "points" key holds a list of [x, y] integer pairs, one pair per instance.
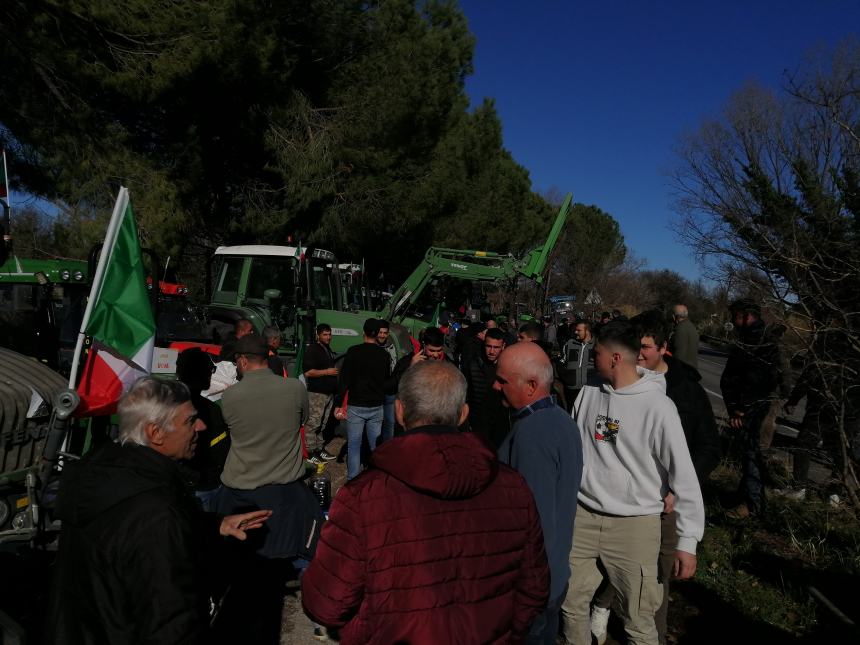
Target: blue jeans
{"points": [[208, 498], [753, 462], [388, 420], [358, 420], [544, 629]]}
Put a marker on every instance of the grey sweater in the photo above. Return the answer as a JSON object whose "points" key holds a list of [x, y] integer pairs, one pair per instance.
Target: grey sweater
{"points": [[265, 413], [546, 449]]}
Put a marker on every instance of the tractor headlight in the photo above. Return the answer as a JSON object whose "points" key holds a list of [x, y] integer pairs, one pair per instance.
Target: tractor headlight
{"points": [[20, 521], [65, 274], [79, 276]]}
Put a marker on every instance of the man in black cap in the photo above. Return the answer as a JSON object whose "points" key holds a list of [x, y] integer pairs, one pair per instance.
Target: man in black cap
{"points": [[748, 384], [263, 470], [265, 413]]}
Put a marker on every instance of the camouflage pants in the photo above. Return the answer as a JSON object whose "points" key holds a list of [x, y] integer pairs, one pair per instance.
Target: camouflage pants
{"points": [[321, 406]]}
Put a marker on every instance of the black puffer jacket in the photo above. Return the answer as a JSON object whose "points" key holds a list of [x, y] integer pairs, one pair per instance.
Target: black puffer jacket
{"points": [[752, 370], [129, 568], [488, 418], [697, 415]]}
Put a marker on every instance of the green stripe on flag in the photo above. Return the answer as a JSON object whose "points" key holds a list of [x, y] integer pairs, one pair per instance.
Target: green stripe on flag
{"points": [[122, 316]]}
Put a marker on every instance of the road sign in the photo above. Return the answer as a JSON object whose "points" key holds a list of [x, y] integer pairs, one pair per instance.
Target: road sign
{"points": [[593, 298]]}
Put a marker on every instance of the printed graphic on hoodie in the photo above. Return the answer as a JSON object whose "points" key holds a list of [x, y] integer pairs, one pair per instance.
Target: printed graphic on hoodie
{"points": [[606, 428]]}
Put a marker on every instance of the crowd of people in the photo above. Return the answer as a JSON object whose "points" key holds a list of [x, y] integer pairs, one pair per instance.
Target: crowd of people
{"points": [[521, 484]]}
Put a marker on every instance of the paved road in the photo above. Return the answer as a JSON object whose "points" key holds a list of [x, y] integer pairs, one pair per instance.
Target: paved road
{"points": [[712, 362], [711, 365]]}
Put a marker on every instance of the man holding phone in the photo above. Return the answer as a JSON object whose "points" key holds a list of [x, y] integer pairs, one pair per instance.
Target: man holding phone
{"points": [[432, 349]]}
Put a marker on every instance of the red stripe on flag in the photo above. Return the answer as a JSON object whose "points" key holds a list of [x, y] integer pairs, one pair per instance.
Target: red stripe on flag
{"points": [[99, 388]]}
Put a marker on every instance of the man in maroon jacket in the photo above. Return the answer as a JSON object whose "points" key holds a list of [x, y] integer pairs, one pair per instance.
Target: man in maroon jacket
{"points": [[437, 542]]}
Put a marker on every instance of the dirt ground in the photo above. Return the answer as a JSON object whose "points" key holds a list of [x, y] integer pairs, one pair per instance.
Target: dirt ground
{"points": [[696, 613], [297, 628]]}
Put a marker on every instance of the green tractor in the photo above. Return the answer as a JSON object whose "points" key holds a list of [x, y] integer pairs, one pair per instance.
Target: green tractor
{"points": [[41, 306], [295, 289], [421, 300], [289, 287]]}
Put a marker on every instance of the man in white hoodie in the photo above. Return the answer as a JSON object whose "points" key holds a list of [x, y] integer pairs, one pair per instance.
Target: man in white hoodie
{"points": [[634, 453]]}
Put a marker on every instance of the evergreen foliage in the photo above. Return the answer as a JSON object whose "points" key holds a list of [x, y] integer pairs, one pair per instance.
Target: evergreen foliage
{"points": [[340, 122]]}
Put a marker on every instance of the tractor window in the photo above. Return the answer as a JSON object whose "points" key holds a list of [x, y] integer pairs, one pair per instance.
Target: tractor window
{"points": [[19, 297], [6, 298], [69, 306], [322, 283], [272, 273], [424, 306], [228, 280]]}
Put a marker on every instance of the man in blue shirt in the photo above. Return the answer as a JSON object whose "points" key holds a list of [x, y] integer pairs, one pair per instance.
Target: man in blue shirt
{"points": [[544, 446]]}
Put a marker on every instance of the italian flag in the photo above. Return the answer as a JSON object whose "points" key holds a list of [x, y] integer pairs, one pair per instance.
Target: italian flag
{"points": [[118, 318]]}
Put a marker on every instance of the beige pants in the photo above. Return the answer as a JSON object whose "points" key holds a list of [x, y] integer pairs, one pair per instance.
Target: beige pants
{"points": [[628, 549], [668, 542]]}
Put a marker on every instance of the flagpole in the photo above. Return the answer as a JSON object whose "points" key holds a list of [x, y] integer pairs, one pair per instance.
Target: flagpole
{"points": [[6, 177], [98, 279]]}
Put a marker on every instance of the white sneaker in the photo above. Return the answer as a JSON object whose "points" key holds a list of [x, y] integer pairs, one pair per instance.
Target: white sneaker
{"points": [[599, 621], [320, 633]]}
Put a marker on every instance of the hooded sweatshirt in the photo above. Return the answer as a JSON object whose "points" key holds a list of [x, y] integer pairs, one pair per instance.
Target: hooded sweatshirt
{"points": [[634, 452], [436, 543]]}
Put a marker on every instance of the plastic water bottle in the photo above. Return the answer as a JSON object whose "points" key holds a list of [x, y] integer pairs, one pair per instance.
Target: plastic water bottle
{"points": [[320, 484]]}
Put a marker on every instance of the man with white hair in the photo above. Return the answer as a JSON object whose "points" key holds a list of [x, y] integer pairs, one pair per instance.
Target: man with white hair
{"points": [[544, 447], [272, 336], [132, 557], [436, 542], [684, 343]]}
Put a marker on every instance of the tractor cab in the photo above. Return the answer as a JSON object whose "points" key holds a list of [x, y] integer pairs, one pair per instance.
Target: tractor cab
{"points": [[42, 304], [283, 286]]}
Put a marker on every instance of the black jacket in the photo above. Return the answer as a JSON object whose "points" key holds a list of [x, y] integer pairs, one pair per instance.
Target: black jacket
{"points": [[487, 415], [203, 471], [752, 373], [130, 562], [697, 415], [364, 374]]}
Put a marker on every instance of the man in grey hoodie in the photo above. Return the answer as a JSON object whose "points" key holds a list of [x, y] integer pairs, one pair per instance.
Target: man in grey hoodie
{"points": [[634, 453]]}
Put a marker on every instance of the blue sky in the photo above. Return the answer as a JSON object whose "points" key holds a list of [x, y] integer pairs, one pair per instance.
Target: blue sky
{"points": [[593, 96]]}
